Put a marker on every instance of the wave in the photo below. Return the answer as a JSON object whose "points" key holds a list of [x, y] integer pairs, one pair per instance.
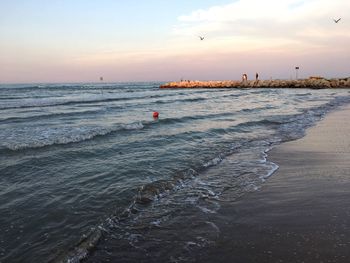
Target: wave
{"points": [[234, 95], [147, 194], [215, 161], [158, 189], [68, 135], [155, 190], [81, 250], [12, 87], [273, 169], [195, 117], [59, 101], [65, 135], [195, 99], [49, 115], [263, 91], [303, 94], [246, 126], [38, 137], [79, 86], [10, 98], [180, 100], [268, 107], [50, 103]]}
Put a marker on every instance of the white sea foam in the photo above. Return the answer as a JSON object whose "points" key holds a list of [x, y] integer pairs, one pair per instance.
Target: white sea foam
{"points": [[36, 137], [133, 126], [273, 168], [206, 210], [214, 161]]}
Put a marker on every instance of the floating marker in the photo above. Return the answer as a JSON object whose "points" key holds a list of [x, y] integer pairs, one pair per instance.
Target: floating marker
{"points": [[155, 114]]}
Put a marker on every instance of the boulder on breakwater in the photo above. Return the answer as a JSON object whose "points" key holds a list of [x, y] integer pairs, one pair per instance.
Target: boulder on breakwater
{"points": [[312, 82]]}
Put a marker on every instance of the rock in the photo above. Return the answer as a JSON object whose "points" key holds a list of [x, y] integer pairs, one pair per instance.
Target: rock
{"points": [[312, 82]]}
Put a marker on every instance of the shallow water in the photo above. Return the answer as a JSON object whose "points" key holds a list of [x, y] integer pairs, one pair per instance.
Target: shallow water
{"points": [[84, 168]]}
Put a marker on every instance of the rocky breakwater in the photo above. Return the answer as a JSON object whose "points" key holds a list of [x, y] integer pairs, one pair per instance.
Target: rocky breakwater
{"points": [[312, 82]]}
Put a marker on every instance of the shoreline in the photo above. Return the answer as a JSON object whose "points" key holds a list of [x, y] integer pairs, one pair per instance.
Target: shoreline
{"points": [[312, 82], [302, 212]]}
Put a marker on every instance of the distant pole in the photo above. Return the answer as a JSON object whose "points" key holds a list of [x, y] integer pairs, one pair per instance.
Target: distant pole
{"points": [[296, 72], [101, 79]]}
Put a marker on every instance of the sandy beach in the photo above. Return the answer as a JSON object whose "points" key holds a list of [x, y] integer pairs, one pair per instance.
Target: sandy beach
{"points": [[302, 212]]}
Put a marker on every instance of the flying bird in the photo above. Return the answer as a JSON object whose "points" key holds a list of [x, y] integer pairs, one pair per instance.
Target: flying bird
{"points": [[201, 38], [336, 20]]}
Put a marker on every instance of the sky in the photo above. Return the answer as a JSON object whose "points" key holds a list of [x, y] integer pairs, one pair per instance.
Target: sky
{"points": [[158, 40]]}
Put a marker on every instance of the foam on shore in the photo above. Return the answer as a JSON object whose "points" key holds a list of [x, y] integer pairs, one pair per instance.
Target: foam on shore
{"points": [[301, 213]]}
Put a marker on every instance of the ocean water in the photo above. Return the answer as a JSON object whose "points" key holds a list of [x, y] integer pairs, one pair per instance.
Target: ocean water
{"points": [[86, 172]]}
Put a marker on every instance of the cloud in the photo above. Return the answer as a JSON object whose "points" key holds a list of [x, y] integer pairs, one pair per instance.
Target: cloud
{"points": [[271, 36], [272, 20]]}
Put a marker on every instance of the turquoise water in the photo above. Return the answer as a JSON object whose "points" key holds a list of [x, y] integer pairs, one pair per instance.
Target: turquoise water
{"points": [[87, 172]]}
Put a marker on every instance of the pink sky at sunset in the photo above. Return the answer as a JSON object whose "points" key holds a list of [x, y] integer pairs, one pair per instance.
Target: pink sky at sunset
{"points": [[271, 37]]}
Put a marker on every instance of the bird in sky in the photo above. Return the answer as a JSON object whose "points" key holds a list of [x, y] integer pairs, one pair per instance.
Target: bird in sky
{"points": [[336, 20], [201, 38]]}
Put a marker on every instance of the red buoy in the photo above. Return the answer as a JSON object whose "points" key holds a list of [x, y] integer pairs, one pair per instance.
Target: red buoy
{"points": [[155, 114]]}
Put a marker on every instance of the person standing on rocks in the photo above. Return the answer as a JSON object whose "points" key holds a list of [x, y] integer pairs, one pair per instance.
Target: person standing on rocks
{"points": [[256, 79]]}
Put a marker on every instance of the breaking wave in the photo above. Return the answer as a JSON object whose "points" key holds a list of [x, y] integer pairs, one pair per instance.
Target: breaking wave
{"points": [[41, 137]]}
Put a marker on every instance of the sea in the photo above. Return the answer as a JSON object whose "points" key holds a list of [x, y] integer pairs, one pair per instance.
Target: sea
{"points": [[87, 173]]}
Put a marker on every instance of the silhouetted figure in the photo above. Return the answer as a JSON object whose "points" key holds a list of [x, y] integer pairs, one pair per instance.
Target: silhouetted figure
{"points": [[256, 79], [336, 20], [201, 38], [244, 79]]}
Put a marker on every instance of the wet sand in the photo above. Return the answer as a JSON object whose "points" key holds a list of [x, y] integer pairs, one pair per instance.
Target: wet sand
{"points": [[302, 212]]}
